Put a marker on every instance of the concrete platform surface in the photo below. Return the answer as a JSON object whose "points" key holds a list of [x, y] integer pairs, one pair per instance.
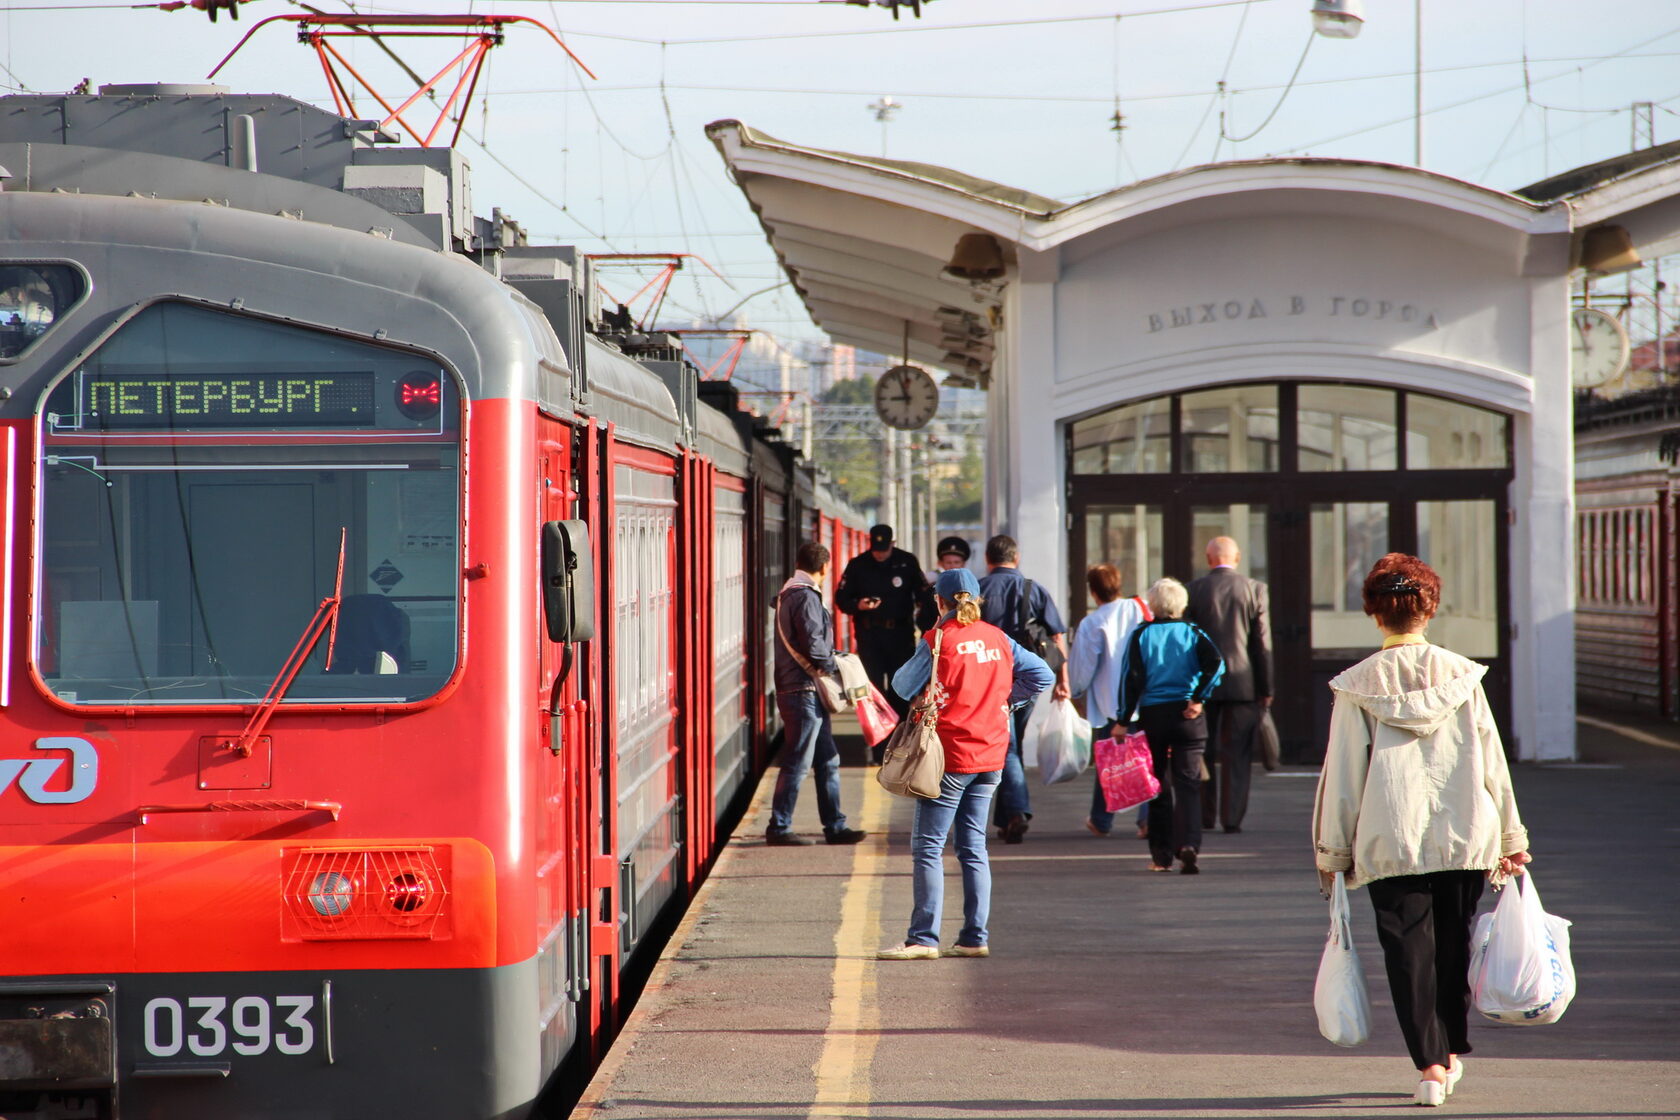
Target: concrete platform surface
{"points": [[1113, 992]]}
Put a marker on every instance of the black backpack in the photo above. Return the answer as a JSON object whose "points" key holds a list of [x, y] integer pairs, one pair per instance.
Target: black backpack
{"points": [[1035, 634]]}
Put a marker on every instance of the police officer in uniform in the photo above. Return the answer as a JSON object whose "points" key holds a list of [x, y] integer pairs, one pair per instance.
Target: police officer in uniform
{"points": [[888, 597], [953, 552]]}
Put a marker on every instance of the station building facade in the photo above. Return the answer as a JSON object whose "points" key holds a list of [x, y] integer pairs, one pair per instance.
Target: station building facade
{"points": [[1326, 360]]}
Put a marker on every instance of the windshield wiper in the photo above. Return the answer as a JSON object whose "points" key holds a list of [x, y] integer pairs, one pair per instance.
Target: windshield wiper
{"points": [[325, 621]]}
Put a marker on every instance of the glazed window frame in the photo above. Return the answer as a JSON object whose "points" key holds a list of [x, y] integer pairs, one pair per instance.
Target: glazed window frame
{"points": [[155, 500]]}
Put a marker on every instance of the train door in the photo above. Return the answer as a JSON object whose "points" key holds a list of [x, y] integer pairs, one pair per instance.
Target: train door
{"points": [[1315, 484], [731, 637], [562, 798], [594, 868]]}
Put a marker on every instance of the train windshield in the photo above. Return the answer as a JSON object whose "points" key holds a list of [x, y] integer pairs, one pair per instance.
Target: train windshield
{"points": [[198, 474]]}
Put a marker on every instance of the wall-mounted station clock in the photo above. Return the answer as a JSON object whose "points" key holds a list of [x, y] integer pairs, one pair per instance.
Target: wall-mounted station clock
{"points": [[906, 398], [1598, 350]]}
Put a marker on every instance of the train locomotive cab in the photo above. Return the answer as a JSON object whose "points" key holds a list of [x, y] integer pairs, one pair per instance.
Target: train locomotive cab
{"points": [[275, 681], [378, 674]]}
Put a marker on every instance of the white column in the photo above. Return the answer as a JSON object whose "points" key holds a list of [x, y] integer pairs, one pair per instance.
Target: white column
{"points": [[1038, 509], [1543, 540]]}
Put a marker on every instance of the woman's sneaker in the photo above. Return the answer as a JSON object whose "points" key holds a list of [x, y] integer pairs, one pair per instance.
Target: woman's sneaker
{"points": [[909, 951]]}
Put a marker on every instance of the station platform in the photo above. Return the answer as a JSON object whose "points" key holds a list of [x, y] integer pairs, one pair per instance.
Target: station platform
{"points": [[1114, 992]]}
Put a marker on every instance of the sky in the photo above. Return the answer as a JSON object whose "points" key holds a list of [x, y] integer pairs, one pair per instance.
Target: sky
{"points": [[1019, 91]]}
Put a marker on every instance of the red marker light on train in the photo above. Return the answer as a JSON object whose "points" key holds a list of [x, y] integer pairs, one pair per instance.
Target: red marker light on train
{"points": [[419, 395]]}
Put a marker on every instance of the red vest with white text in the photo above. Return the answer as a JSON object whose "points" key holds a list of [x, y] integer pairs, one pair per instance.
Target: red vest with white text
{"points": [[977, 669]]}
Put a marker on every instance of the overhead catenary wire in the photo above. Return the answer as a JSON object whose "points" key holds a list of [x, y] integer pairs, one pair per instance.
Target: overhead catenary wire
{"points": [[1282, 97], [1219, 90], [1526, 83], [1062, 98]]}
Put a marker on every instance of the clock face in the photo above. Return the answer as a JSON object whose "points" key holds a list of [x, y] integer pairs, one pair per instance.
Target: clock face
{"points": [[1599, 347], [906, 398]]}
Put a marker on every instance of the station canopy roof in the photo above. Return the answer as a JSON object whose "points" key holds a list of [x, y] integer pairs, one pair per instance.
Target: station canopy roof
{"points": [[884, 252]]}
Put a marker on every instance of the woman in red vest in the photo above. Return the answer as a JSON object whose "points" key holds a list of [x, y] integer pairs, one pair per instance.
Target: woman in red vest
{"points": [[982, 675]]}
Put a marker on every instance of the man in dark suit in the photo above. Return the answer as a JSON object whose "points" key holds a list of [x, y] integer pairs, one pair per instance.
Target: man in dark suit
{"points": [[1236, 613]]}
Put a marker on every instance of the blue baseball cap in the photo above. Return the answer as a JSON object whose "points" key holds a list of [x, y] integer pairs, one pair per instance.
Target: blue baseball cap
{"points": [[955, 580]]}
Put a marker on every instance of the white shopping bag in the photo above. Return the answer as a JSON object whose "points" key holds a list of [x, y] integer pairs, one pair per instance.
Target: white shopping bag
{"points": [[1520, 971], [1064, 744], [1344, 1010]]}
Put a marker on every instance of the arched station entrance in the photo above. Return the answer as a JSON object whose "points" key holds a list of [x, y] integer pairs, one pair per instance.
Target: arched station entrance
{"points": [[1316, 480]]}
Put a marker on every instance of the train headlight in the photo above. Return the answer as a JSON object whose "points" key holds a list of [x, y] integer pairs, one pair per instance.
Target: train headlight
{"points": [[331, 893], [346, 893], [32, 298]]}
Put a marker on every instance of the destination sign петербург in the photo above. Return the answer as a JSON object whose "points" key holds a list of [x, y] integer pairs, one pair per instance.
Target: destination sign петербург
{"points": [[289, 400]]}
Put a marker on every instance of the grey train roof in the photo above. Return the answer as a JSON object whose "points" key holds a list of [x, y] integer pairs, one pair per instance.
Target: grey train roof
{"points": [[314, 216], [362, 284]]}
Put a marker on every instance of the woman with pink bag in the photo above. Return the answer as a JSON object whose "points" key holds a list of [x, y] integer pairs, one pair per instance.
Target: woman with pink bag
{"points": [[1171, 667], [1094, 670]]}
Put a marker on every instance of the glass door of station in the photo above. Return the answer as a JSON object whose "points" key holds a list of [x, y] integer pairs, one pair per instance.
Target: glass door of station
{"points": [[1315, 484]]}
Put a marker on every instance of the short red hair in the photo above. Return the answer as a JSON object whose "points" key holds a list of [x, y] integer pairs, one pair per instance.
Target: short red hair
{"points": [[1104, 582], [1402, 591]]}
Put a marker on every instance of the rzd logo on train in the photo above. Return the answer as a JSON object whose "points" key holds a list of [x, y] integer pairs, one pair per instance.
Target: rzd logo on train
{"points": [[31, 775]]}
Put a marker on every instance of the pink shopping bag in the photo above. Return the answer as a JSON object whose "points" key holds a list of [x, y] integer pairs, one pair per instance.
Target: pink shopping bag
{"points": [[876, 717], [1126, 770]]}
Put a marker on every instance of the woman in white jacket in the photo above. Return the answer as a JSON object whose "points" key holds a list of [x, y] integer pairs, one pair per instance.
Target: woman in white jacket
{"points": [[1415, 802]]}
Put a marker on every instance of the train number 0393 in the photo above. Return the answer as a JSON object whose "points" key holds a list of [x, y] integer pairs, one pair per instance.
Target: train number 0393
{"points": [[209, 1025]]}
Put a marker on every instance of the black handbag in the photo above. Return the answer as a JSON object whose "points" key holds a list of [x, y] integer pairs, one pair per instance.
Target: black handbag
{"points": [[913, 764]]}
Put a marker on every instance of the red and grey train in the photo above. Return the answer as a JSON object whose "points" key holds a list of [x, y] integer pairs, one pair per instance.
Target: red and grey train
{"points": [[383, 651]]}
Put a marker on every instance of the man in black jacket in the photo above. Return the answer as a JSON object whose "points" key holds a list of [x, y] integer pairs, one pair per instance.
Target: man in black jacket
{"points": [[804, 645], [1235, 611], [888, 596]]}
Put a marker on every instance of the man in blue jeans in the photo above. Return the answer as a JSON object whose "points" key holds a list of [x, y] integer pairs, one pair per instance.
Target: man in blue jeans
{"points": [[1002, 592], [804, 647]]}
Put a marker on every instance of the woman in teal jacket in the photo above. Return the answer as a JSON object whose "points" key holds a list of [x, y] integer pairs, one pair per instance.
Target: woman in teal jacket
{"points": [[1171, 666]]}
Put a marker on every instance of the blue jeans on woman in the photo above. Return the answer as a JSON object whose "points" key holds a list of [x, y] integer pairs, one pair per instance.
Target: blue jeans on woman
{"points": [[959, 812]]}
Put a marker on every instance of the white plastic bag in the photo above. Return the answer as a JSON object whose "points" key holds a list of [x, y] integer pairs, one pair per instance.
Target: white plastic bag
{"points": [[1520, 971], [1036, 716], [1064, 743], [1344, 1010]]}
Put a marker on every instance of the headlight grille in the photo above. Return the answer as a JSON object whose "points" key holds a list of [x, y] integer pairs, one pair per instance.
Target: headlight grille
{"points": [[358, 893]]}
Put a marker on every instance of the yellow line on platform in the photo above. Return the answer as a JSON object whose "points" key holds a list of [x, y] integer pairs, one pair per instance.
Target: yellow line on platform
{"points": [[854, 1015], [1666, 742]]}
